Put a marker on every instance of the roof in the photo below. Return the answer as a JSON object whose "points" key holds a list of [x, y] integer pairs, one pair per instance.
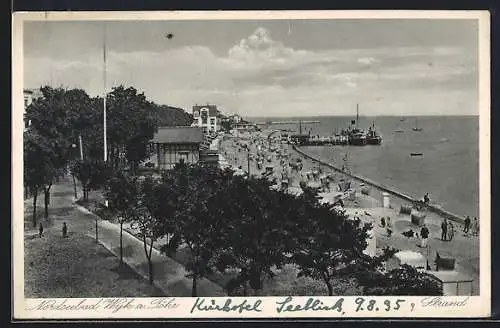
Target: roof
{"points": [[212, 109], [178, 135], [409, 255], [450, 276]]}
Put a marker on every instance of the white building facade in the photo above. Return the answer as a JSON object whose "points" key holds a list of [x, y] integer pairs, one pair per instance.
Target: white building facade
{"points": [[207, 117], [29, 95]]}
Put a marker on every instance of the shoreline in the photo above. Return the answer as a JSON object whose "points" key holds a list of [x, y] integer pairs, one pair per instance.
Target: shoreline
{"points": [[437, 210]]}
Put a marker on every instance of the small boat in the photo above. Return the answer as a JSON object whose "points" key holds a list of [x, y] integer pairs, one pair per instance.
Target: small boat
{"points": [[399, 131], [372, 137], [417, 128], [416, 154], [357, 138]]}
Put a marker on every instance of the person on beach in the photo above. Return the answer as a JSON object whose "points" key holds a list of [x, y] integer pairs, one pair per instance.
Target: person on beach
{"points": [[389, 226], [475, 227], [467, 224], [64, 230], [40, 230], [451, 231], [426, 199], [444, 230]]}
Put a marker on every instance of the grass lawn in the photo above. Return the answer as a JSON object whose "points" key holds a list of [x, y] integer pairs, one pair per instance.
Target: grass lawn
{"points": [[78, 267]]}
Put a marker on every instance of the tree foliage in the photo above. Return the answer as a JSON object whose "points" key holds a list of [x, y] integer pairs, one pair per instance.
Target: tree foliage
{"points": [[148, 218], [123, 194], [173, 116], [39, 169], [198, 223], [403, 281], [258, 228], [92, 173], [131, 124]]}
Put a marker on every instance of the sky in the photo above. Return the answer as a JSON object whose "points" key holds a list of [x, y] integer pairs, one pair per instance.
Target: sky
{"points": [[273, 68]]}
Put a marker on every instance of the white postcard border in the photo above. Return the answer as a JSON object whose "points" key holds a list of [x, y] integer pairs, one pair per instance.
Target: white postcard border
{"points": [[474, 306]]}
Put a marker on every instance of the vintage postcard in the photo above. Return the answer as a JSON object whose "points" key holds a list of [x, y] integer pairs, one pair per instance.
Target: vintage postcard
{"points": [[297, 164]]}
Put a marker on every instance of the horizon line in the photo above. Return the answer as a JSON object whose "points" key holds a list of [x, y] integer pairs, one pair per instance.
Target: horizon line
{"points": [[348, 115]]}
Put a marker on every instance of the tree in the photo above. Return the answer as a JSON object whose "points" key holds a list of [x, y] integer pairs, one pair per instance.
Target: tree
{"points": [[257, 229], [403, 281], [334, 245], [148, 219], [226, 124], [172, 116], [91, 173], [122, 192], [197, 222], [131, 125], [85, 115], [37, 166], [49, 121]]}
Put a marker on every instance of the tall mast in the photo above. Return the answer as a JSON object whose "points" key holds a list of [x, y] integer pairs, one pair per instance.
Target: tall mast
{"points": [[357, 115]]}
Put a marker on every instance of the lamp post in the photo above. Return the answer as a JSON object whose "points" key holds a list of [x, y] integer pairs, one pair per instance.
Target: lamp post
{"points": [[248, 162], [73, 176]]}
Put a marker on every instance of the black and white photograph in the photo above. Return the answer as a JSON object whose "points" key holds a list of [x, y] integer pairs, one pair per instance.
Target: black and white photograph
{"points": [[251, 157]]}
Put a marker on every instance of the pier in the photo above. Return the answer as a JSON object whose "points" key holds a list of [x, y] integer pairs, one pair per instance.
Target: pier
{"points": [[287, 122]]}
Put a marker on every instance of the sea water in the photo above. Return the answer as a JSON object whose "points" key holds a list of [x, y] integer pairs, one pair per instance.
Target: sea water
{"points": [[448, 169]]}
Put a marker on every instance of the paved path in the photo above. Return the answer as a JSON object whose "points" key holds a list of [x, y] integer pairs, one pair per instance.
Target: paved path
{"points": [[170, 276]]}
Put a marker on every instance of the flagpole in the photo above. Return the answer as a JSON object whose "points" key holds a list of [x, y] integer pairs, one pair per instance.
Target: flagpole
{"points": [[105, 96], [104, 109]]}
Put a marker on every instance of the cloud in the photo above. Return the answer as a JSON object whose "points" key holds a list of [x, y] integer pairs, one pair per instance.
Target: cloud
{"points": [[261, 76], [366, 60]]}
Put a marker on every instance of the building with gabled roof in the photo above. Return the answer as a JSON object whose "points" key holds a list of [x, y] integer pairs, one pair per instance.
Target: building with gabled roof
{"points": [[207, 117], [175, 144]]}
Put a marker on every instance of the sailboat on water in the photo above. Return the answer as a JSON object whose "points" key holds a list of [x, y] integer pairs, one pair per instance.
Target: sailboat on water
{"points": [[417, 128]]}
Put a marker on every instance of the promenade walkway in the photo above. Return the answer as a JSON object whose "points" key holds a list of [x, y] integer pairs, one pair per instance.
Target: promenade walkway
{"points": [[170, 276]]}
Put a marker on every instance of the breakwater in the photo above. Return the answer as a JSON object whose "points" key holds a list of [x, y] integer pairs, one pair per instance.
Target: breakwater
{"points": [[437, 210]]}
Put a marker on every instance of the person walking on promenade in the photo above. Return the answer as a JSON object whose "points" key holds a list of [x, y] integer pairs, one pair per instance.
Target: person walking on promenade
{"points": [[451, 231], [40, 230], [475, 227], [389, 226], [64, 230], [467, 224], [424, 234], [444, 230]]}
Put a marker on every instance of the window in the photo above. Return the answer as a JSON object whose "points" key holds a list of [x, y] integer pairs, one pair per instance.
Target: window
{"points": [[183, 156], [212, 121], [204, 116]]}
